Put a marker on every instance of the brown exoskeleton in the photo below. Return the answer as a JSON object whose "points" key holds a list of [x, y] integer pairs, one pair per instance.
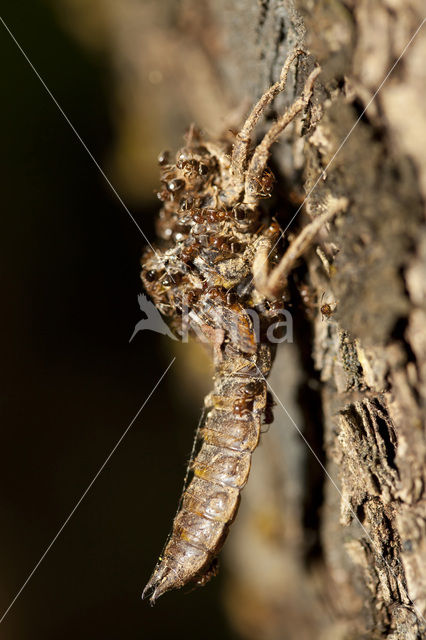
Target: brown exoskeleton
{"points": [[327, 308], [213, 265]]}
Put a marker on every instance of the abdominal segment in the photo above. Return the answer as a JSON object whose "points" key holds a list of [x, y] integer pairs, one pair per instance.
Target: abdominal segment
{"points": [[220, 470]]}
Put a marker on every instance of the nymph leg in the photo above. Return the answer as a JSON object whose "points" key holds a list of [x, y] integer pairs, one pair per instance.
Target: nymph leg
{"points": [[271, 284], [260, 156], [242, 144]]}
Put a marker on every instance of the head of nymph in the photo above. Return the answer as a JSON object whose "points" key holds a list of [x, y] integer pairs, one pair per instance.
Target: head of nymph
{"points": [[159, 280]]}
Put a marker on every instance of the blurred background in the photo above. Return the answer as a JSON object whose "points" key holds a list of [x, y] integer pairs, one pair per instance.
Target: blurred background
{"points": [[71, 382]]}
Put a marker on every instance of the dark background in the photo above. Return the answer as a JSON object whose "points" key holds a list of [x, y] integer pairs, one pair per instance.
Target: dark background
{"points": [[71, 382]]}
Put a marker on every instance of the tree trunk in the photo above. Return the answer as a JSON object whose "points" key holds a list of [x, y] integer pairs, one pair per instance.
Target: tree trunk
{"points": [[340, 551]]}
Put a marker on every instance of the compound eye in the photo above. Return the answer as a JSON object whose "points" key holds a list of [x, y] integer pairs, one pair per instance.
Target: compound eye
{"points": [[163, 158], [181, 159], [175, 185], [151, 275], [249, 389], [273, 229], [216, 242], [241, 213]]}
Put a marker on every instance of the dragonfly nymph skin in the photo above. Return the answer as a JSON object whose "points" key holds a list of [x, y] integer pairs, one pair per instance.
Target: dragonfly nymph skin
{"points": [[211, 230]]}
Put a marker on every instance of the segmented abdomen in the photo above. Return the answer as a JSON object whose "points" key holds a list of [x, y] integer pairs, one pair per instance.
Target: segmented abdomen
{"points": [[220, 470]]}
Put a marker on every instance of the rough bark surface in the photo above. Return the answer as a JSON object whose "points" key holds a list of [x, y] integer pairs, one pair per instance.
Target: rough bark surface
{"points": [[368, 562], [311, 555]]}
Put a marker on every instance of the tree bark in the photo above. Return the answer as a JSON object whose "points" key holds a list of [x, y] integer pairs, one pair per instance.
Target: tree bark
{"points": [[352, 535]]}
